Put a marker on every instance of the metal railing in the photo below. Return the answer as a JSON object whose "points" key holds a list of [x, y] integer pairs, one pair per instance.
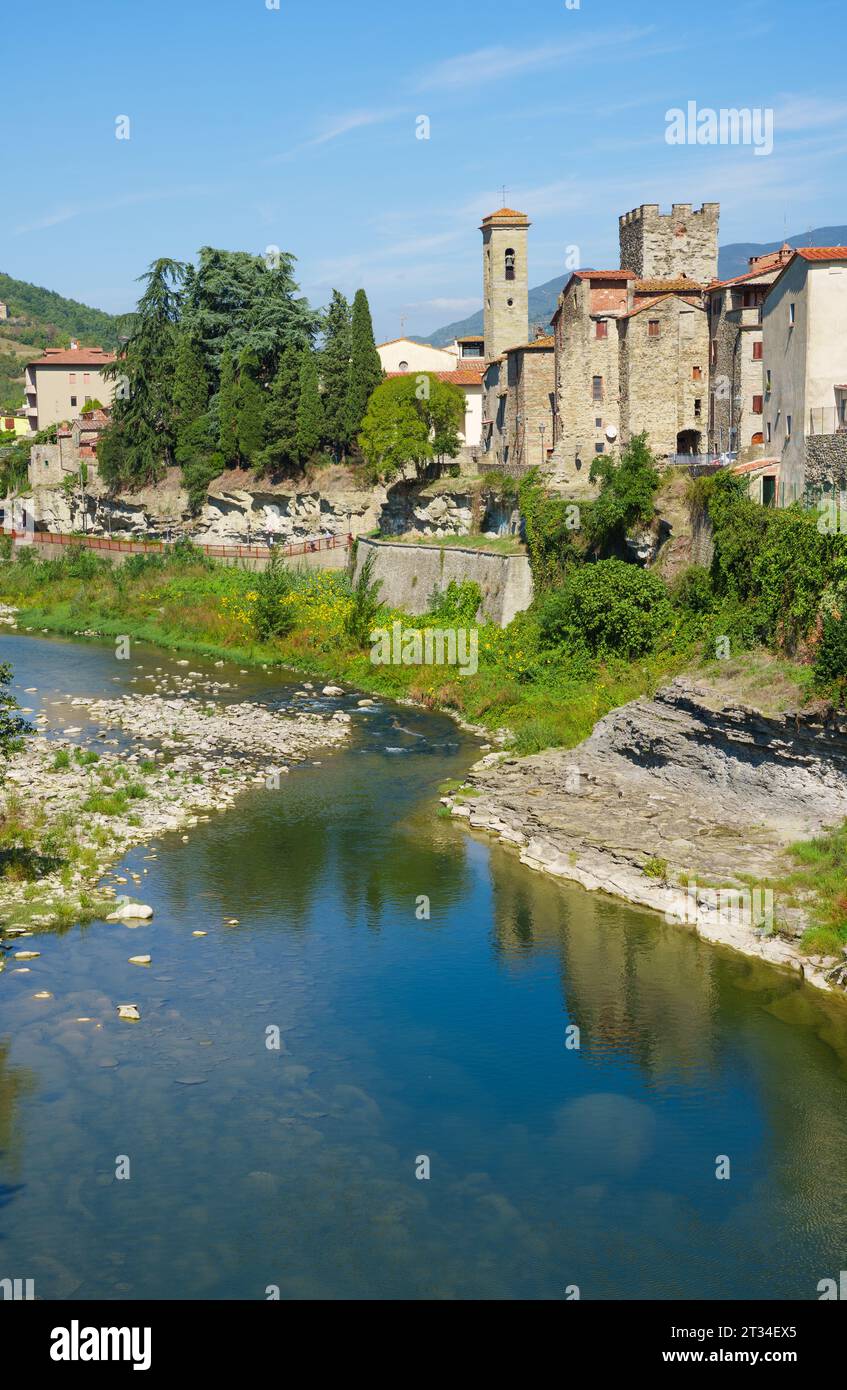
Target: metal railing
{"points": [[828, 419], [129, 547]]}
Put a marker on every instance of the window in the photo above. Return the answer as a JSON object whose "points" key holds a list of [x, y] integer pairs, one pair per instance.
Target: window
{"points": [[86, 378], [769, 431], [510, 263], [652, 328], [758, 349], [698, 409], [597, 388], [599, 448], [714, 352], [792, 315], [767, 380], [598, 423], [788, 427], [601, 329], [697, 373], [758, 405], [73, 400]]}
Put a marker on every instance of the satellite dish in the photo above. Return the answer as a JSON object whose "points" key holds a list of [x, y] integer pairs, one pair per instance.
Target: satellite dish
{"points": [[611, 432]]}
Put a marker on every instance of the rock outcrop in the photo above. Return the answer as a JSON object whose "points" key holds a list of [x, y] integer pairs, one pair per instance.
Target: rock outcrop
{"points": [[672, 799]]}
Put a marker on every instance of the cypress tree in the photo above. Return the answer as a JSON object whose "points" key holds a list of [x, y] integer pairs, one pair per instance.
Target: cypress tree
{"points": [[310, 415], [251, 407], [280, 449], [335, 373], [191, 388], [365, 366], [228, 410]]}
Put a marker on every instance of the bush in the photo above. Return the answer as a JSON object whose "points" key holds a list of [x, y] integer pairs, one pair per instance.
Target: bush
{"points": [[627, 496], [458, 604], [608, 608], [136, 565], [271, 615], [831, 661], [362, 614]]}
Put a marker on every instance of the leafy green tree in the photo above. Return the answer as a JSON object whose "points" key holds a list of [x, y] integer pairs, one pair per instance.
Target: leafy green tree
{"points": [[280, 451], [90, 407], [627, 495], [609, 608], [366, 604], [335, 373], [365, 367], [310, 416], [251, 407], [13, 726], [228, 411], [831, 659], [410, 420]]}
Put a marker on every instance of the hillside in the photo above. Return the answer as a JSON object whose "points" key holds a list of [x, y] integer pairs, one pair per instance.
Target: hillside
{"points": [[40, 318], [732, 260]]}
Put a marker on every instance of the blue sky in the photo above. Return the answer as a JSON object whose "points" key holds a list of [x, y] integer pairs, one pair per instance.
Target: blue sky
{"points": [[296, 127]]}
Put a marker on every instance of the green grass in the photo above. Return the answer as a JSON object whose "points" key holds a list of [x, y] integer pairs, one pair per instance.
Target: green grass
{"points": [[818, 882]]}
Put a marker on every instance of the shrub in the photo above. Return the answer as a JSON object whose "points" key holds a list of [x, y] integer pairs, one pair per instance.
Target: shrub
{"points": [[457, 604], [608, 608], [365, 605], [831, 661], [627, 496], [271, 616]]}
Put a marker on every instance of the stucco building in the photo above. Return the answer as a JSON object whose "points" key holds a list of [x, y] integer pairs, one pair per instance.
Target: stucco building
{"points": [[804, 330], [460, 365], [519, 394], [62, 381]]}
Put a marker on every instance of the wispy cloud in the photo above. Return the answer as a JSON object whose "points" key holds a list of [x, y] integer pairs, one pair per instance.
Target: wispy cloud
{"points": [[68, 211], [341, 125], [485, 65]]}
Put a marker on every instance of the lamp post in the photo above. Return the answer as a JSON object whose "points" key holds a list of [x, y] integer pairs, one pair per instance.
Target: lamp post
{"points": [[541, 431]]}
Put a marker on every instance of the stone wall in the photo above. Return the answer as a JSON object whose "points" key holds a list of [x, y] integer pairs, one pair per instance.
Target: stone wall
{"points": [[580, 357], [659, 391], [826, 460], [411, 573], [665, 245]]}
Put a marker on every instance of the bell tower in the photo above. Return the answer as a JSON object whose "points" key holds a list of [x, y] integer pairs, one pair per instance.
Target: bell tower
{"points": [[504, 280]]}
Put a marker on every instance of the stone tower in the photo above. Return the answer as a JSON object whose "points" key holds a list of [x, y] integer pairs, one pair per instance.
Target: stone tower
{"points": [[663, 246], [504, 280]]}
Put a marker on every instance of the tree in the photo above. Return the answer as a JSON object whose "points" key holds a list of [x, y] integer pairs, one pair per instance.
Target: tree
{"points": [[142, 413], [310, 416], [280, 451], [335, 373], [90, 407], [13, 726], [410, 420], [251, 407], [236, 300], [365, 367], [228, 410], [191, 390], [627, 493]]}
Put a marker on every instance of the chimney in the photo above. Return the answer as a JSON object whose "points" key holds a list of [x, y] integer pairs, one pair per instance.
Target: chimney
{"points": [[74, 345]]}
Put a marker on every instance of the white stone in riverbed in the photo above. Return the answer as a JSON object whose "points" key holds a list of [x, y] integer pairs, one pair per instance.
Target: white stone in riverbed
{"points": [[332, 690], [129, 1011], [27, 955], [140, 960], [129, 911]]}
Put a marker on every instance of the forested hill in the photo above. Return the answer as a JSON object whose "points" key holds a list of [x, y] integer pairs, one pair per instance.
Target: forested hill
{"points": [[49, 318]]}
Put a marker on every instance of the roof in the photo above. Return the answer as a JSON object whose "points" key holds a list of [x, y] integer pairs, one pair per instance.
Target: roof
{"points": [[812, 254], [506, 215], [460, 376], [412, 343], [471, 338], [767, 466], [97, 420], [603, 275], [541, 344], [681, 282], [73, 357], [741, 279], [660, 299]]}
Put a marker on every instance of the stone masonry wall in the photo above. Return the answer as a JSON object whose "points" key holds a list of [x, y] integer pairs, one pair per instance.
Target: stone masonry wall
{"points": [[658, 389], [410, 574], [665, 245]]}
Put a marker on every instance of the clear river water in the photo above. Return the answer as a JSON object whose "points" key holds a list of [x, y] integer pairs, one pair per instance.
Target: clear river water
{"points": [[401, 1038]]}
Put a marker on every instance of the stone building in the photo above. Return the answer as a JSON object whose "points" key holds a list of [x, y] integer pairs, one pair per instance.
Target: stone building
{"points": [[663, 246], [520, 391], [736, 356], [664, 373], [505, 286], [50, 465], [804, 332]]}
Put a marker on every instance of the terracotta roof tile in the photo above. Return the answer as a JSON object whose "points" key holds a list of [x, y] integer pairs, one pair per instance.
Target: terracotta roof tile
{"points": [[72, 357], [504, 214], [822, 253], [681, 282]]}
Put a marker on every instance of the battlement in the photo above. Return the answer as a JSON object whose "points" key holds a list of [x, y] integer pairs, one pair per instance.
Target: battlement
{"points": [[658, 245]]}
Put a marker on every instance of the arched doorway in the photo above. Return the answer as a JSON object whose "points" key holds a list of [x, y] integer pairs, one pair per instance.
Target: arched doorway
{"points": [[688, 442]]}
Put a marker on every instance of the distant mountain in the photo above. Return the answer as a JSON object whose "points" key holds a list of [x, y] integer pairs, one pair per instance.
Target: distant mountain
{"points": [[732, 260]]}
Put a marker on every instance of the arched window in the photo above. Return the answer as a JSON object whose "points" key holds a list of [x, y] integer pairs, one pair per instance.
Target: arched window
{"points": [[510, 263], [403, 366]]}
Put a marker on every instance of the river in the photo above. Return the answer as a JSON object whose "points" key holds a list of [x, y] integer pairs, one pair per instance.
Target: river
{"points": [[402, 1039]]}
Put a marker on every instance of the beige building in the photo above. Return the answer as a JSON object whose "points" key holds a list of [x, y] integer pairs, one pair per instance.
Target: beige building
{"points": [[520, 392], [736, 350], [461, 368], [662, 246], [505, 287], [804, 329], [61, 382]]}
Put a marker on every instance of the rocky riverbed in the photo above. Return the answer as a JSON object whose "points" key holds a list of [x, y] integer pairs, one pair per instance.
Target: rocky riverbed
{"points": [[684, 803], [135, 768]]}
